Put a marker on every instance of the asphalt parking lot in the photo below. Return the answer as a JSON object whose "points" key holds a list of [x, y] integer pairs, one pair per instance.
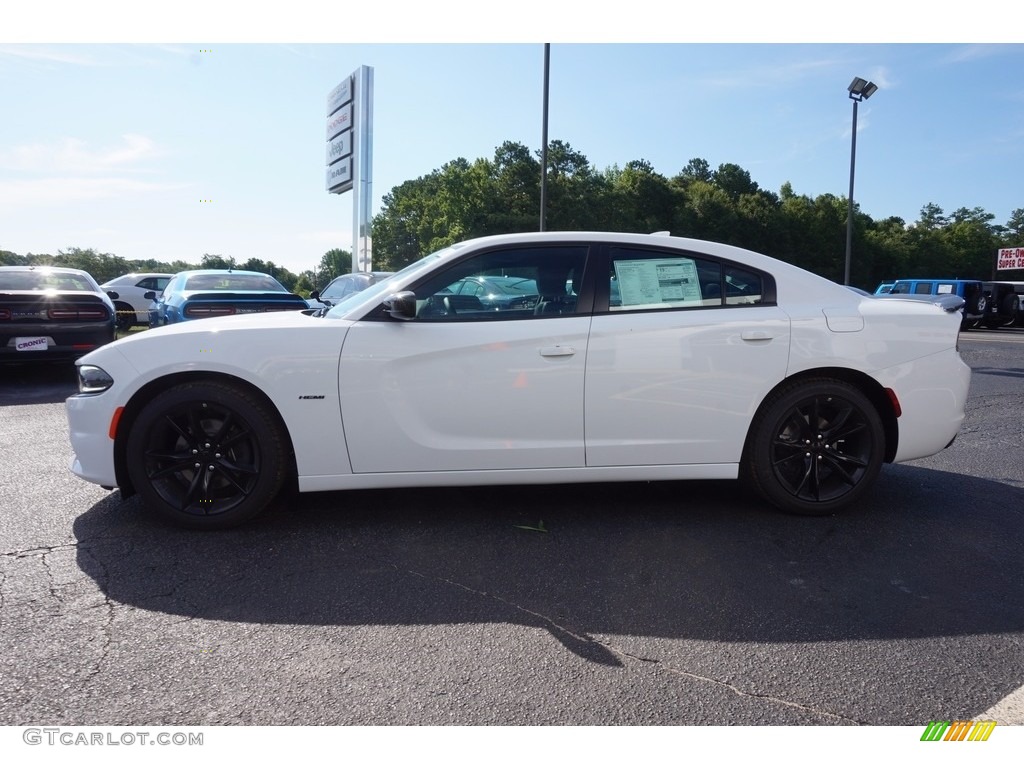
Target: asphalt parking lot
{"points": [[637, 604]]}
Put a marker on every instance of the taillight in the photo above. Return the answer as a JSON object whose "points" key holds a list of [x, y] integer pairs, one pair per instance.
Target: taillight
{"points": [[77, 314], [897, 409], [208, 311]]}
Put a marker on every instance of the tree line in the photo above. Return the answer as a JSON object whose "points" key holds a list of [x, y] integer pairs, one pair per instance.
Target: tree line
{"points": [[466, 199]]}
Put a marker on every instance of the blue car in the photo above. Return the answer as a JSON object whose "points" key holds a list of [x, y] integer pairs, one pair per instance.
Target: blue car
{"points": [[204, 293]]}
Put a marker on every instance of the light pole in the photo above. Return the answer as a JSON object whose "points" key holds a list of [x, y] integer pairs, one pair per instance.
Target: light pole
{"points": [[544, 142], [860, 89]]}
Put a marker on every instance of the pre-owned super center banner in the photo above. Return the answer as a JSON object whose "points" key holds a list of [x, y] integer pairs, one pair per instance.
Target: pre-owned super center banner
{"points": [[1010, 258]]}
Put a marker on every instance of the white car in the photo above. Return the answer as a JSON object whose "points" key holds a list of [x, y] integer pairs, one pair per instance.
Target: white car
{"points": [[705, 361], [131, 304]]}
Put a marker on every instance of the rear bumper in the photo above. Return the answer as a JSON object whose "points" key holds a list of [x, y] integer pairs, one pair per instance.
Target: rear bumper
{"points": [[932, 392], [63, 342]]}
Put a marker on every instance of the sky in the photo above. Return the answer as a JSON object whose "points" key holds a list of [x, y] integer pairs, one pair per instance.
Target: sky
{"points": [[173, 140]]}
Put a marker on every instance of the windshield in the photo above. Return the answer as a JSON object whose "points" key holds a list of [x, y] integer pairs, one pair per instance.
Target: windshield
{"points": [[233, 282], [378, 291]]}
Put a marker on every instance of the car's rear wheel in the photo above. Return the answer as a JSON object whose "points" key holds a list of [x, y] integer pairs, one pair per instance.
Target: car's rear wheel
{"points": [[816, 446], [206, 455]]}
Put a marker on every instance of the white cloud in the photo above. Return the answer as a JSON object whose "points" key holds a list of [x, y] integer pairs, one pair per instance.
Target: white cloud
{"points": [[978, 51], [57, 191], [41, 54], [770, 75], [70, 155]]}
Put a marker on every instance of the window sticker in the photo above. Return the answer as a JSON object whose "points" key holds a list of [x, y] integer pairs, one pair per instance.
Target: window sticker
{"points": [[657, 282]]}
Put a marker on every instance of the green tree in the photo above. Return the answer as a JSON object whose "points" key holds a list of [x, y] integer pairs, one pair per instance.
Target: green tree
{"points": [[1013, 235], [333, 263], [216, 261], [303, 285], [698, 169]]}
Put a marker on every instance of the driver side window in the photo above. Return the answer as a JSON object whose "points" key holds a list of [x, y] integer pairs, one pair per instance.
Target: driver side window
{"points": [[509, 284]]}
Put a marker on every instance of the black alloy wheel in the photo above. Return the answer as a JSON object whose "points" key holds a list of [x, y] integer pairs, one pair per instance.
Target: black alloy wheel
{"points": [[817, 446], [206, 455]]}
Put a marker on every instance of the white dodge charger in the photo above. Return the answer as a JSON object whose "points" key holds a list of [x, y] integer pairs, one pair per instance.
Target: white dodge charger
{"points": [[630, 357]]}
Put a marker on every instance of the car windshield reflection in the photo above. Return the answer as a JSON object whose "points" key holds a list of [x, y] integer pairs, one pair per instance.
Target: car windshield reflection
{"points": [[381, 289]]}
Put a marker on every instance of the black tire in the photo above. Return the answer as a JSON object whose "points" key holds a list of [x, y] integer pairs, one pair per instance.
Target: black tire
{"points": [[1009, 309], [124, 321], [815, 447], [206, 455], [974, 300], [966, 325]]}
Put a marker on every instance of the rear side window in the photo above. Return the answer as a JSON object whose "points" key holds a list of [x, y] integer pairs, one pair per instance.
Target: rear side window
{"points": [[923, 288], [644, 279], [152, 283]]}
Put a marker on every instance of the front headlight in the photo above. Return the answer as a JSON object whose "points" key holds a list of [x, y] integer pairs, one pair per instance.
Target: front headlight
{"points": [[93, 379]]}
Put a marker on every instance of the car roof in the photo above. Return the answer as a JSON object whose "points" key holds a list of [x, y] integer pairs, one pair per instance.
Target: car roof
{"points": [[222, 272], [44, 267], [129, 275]]}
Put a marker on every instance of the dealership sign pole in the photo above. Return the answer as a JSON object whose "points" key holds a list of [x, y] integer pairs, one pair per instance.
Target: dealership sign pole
{"points": [[350, 156]]}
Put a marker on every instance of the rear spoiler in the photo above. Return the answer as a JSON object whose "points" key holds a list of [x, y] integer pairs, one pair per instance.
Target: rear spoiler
{"points": [[214, 295], [948, 302]]}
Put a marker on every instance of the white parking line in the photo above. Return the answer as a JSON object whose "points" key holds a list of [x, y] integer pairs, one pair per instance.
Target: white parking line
{"points": [[995, 339]]}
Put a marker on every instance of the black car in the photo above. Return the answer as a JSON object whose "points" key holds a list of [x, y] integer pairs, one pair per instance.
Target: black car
{"points": [[52, 313]]}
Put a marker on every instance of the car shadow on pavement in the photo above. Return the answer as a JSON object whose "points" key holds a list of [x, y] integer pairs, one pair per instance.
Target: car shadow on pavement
{"points": [[38, 383], [696, 560]]}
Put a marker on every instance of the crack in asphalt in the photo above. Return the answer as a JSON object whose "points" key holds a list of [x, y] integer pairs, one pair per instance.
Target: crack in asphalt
{"points": [[614, 652], [740, 692], [43, 552], [108, 623], [51, 582]]}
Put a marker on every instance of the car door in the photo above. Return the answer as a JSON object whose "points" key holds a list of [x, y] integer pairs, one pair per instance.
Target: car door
{"points": [[677, 365], [465, 387]]}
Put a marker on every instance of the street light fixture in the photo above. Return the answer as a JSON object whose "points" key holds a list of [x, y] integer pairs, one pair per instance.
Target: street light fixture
{"points": [[860, 89]]}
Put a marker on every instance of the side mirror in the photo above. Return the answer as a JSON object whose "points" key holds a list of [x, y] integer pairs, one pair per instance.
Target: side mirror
{"points": [[113, 295], [315, 295], [151, 295], [401, 305]]}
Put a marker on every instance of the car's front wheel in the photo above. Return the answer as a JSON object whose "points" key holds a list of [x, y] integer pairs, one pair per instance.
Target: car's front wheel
{"points": [[816, 446], [206, 455]]}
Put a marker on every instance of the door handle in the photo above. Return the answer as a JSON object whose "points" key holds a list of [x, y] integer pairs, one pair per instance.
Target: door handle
{"points": [[557, 351], [756, 336]]}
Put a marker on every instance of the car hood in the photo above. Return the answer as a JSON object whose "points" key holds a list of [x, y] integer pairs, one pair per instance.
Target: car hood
{"points": [[200, 333]]}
